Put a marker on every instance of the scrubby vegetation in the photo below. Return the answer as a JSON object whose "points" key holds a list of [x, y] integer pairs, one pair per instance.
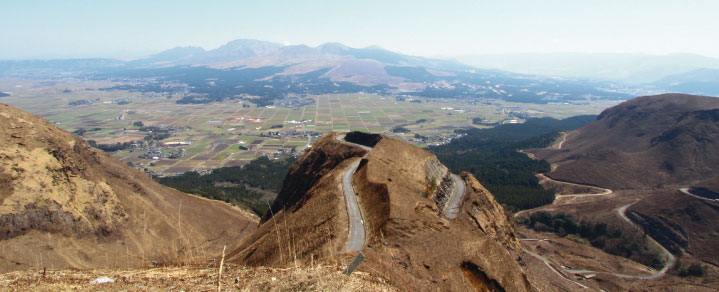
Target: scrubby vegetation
{"points": [[693, 270], [81, 131], [244, 185], [492, 156], [236, 83], [112, 147], [400, 129], [600, 235]]}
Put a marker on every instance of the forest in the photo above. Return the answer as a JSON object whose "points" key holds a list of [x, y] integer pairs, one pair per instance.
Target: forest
{"points": [[492, 156], [213, 85], [240, 185]]}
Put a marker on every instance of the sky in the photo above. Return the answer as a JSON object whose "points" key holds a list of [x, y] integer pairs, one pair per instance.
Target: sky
{"points": [[133, 28]]}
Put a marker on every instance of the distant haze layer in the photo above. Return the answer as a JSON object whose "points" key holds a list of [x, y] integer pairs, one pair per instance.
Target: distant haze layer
{"points": [[630, 68]]}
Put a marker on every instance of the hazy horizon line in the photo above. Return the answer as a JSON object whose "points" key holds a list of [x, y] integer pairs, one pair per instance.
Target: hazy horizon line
{"points": [[125, 55]]}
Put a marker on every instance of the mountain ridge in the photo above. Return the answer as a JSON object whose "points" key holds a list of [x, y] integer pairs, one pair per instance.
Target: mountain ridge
{"points": [[408, 240], [76, 205], [646, 142]]}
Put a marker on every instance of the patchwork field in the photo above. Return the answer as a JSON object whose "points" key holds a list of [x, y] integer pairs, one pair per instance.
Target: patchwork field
{"points": [[234, 132]]}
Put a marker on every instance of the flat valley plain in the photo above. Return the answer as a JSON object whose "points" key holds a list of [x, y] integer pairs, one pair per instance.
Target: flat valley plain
{"points": [[235, 131]]}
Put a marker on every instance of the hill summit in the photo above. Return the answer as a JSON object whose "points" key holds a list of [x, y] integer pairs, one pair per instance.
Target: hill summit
{"points": [[647, 142], [418, 225], [64, 204]]}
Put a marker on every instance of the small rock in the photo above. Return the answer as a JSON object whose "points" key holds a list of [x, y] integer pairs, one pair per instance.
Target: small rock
{"points": [[237, 280], [102, 280]]}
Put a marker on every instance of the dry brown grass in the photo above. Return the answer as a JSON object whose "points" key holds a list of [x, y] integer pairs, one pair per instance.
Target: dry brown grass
{"points": [[196, 278], [77, 207]]}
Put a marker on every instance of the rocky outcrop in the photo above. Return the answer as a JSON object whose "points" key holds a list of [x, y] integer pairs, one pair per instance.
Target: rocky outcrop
{"points": [[441, 184], [488, 214], [408, 241], [324, 156], [77, 207]]}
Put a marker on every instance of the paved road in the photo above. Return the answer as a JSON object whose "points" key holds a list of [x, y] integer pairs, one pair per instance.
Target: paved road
{"points": [[604, 191], [341, 138], [549, 264], [450, 211], [686, 191], [557, 198], [564, 139], [621, 211], [670, 257], [356, 239]]}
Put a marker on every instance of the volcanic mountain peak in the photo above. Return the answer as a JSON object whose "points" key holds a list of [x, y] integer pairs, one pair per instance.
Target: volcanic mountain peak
{"points": [[422, 227], [645, 142], [73, 203], [333, 48]]}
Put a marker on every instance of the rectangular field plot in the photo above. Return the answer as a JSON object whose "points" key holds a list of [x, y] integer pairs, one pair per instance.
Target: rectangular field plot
{"points": [[214, 130]]}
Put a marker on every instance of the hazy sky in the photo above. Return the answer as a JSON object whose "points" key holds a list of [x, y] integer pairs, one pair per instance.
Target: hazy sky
{"points": [[109, 28]]}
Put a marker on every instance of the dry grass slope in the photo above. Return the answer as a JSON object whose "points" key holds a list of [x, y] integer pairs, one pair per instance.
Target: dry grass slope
{"points": [[77, 207], [235, 278], [408, 242]]}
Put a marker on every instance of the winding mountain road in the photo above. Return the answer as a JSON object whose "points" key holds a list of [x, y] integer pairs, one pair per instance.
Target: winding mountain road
{"points": [[356, 239], [671, 260], [450, 211], [564, 199], [686, 192], [549, 265], [621, 211]]}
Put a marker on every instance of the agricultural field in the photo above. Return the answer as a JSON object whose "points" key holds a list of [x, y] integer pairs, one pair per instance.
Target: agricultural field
{"points": [[233, 132]]}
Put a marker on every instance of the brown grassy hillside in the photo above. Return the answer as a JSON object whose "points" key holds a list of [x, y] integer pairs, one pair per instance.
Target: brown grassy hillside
{"points": [[648, 141], [408, 242], [681, 223], [64, 204], [196, 278]]}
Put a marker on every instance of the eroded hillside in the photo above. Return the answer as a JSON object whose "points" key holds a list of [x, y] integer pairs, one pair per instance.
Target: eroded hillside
{"points": [[403, 193], [64, 204]]}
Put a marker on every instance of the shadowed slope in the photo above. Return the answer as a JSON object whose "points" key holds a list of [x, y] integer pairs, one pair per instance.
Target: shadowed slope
{"points": [[645, 142]]}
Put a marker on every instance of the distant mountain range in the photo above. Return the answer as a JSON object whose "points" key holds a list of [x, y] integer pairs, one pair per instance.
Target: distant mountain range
{"points": [[253, 53], [270, 70], [700, 81], [626, 68]]}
